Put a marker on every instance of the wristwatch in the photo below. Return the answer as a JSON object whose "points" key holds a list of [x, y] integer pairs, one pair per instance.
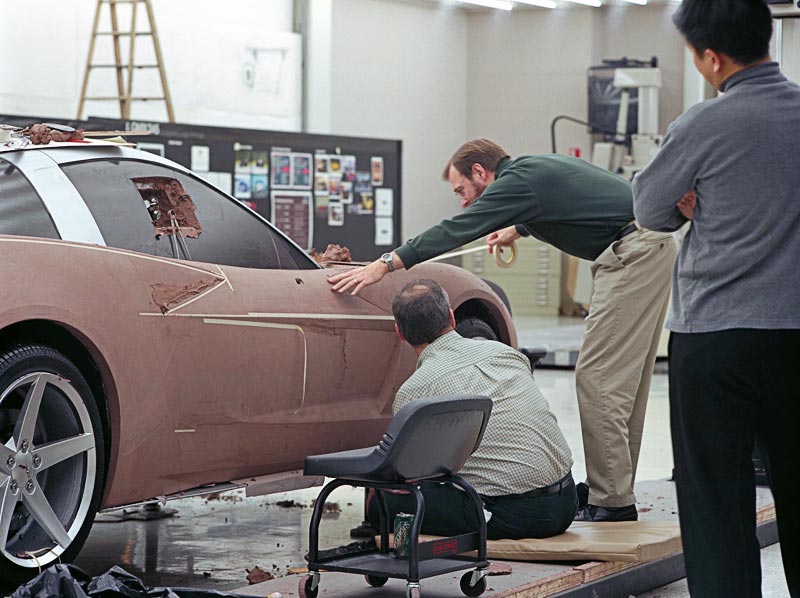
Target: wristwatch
{"points": [[386, 258]]}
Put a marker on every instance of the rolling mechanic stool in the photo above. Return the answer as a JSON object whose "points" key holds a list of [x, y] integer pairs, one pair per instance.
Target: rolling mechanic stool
{"points": [[428, 439]]}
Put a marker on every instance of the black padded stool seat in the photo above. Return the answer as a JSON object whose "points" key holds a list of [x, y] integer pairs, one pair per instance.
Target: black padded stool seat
{"points": [[426, 438]]}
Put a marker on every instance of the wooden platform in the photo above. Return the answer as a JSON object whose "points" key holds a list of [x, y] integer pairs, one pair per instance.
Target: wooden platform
{"points": [[545, 579]]}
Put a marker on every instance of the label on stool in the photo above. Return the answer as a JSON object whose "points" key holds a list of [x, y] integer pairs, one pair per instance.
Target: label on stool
{"points": [[402, 534]]}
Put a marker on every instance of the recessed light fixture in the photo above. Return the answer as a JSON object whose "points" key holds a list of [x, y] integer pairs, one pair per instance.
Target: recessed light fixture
{"points": [[542, 3], [595, 3], [498, 4]]}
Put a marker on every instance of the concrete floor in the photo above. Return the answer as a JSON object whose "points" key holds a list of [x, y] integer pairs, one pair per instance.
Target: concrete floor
{"points": [[211, 543]]}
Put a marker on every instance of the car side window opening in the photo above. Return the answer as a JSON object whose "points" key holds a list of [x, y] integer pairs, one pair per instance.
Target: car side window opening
{"points": [[171, 210], [22, 211], [154, 209]]}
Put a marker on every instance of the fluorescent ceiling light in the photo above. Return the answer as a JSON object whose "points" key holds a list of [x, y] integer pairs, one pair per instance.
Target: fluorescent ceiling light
{"points": [[542, 3], [498, 4], [595, 3], [639, 2]]}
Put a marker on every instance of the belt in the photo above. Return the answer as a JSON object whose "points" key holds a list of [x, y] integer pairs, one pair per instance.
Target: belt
{"points": [[552, 488], [631, 228]]}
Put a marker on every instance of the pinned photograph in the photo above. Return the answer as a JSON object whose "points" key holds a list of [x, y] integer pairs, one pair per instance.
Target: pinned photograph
{"points": [[241, 186], [243, 161], [260, 186], [335, 214], [334, 185], [346, 192], [321, 183], [322, 164], [335, 163], [377, 170], [363, 182], [349, 168]]}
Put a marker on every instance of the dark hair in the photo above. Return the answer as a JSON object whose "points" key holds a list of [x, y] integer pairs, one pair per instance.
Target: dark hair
{"points": [[478, 151], [421, 309], [740, 29]]}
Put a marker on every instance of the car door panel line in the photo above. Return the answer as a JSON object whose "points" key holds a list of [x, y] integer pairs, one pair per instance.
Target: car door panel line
{"points": [[280, 327], [90, 247]]}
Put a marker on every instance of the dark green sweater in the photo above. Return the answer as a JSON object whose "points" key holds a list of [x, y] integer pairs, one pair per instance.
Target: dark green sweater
{"points": [[566, 202]]}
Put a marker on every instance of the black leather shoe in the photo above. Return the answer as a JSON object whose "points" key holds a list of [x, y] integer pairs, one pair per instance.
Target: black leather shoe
{"points": [[595, 513]]}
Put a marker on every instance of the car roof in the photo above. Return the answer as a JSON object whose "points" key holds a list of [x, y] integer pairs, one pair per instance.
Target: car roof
{"points": [[65, 152]]}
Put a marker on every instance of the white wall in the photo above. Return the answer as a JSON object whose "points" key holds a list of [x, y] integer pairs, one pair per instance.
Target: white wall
{"points": [[399, 70], [525, 68], [44, 45]]}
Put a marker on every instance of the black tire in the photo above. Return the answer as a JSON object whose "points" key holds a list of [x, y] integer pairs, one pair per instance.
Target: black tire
{"points": [[304, 588], [376, 581], [37, 475], [472, 591], [476, 328]]}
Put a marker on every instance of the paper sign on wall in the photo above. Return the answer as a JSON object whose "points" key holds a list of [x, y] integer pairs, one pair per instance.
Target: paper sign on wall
{"points": [[384, 202]]}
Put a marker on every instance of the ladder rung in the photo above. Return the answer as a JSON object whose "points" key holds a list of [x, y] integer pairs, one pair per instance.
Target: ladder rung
{"points": [[121, 1], [119, 66], [117, 99], [123, 33]]}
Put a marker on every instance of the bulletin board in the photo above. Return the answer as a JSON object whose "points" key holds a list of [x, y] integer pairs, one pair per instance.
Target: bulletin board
{"points": [[318, 189]]}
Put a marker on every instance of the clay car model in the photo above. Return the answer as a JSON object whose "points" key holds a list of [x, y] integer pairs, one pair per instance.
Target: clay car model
{"points": [[157, 336]]}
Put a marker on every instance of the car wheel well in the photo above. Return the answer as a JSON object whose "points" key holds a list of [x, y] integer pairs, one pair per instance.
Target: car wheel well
{"points": [[475, 308], [61, 339]]}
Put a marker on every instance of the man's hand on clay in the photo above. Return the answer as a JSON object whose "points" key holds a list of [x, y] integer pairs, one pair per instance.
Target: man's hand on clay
{"points": [[686, 205], [502, 238], [355, 280]]}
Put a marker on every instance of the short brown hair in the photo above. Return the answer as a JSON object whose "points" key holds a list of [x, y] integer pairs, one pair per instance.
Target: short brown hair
{"points": [[478, 151]]}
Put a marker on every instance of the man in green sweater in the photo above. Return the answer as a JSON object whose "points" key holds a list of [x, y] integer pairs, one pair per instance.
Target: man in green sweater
{"points": [[587, 212]]}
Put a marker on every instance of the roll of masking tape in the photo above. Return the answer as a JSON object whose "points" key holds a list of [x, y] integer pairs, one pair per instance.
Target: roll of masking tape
{"points": [[501, 261]]}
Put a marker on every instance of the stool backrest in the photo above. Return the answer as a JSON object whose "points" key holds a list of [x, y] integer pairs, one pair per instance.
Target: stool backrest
{"points": [[433, 436]]}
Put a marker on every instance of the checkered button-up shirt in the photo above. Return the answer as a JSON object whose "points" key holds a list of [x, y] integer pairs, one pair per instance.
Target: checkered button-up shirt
{"points": [[523, 447]]}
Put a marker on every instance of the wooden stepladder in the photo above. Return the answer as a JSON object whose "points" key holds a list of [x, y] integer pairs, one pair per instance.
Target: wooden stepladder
{"points": [[125, 70]]}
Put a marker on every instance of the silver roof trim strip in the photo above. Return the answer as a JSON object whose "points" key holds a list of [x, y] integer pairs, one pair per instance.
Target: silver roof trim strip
{"points": [[72, 218]]}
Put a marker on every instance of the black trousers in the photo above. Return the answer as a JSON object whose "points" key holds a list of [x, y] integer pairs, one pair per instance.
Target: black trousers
{"points": [[448, 512], [729, 390]]}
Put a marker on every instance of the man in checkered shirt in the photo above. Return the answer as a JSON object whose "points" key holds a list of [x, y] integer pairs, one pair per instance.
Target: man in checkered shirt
{"points": [[522, 468]]}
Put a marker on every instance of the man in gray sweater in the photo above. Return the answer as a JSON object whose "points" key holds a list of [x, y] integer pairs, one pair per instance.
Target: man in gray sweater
{"points": [[730, 165]]}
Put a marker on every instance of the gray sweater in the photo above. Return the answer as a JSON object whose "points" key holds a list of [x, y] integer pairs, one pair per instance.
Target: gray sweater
{"points": [[739, 265]]}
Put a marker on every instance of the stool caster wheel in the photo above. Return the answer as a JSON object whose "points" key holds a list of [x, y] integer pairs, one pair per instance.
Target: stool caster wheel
{"points": [[472, 590], [376, 581], [413, 590], [308, 586]]}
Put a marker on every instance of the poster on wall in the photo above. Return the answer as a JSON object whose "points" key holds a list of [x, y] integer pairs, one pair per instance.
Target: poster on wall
{"points": [[201, 158], [384, 202], [292, 214], [301, 171], [281, 169], [384, 231]]}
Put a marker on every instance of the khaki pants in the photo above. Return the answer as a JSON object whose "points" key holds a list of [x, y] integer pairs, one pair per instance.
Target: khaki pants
{"points": [[632, 279]]}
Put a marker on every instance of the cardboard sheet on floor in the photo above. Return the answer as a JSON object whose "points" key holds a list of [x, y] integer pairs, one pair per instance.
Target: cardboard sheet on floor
{"points": [[626, 541]]}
